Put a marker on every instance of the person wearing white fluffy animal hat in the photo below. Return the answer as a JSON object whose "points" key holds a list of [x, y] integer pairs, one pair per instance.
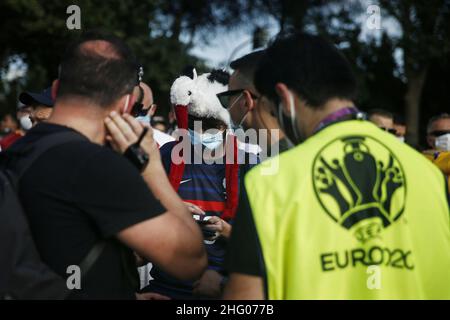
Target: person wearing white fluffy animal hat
{"points": [[210, 189]]}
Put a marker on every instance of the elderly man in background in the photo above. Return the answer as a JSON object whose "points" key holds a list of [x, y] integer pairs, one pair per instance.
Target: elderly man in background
{"points": [[438, 139]]}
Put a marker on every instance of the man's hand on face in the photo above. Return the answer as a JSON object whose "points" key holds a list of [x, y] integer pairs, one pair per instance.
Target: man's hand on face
{"points": [[123, 131]]}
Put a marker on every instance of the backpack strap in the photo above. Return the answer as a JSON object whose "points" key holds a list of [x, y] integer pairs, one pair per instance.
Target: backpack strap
{"points": [[92, 256], [29, 154]]}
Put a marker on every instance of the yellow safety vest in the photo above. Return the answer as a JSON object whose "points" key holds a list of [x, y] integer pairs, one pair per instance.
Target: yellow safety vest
{"points": [[352, 213]]}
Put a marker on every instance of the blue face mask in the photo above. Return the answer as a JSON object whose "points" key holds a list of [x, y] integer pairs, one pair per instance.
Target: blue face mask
{"points": [[146, 119], [235, 126], [210, 141]]}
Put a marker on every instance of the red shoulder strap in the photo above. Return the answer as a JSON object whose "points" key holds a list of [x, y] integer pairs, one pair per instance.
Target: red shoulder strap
{"points": [[232, 179], [177, 170]]}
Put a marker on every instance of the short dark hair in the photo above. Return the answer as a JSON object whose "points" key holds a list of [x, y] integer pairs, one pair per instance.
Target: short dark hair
{"points": [[248, 64], [99, 75], [380, 112], [309, 65], [436, 118], [399, 119], [220, 76]]}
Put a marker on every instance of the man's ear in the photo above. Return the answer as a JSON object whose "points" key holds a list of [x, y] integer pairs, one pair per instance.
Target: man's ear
{"points": [[126, 103], [430, 142], [249, 102], [152, 110], [55, 87], [283, 94]]}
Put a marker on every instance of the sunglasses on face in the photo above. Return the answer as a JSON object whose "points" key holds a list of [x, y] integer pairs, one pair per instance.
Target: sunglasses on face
{"points": [[224, 97], [438, 133], [390, 130]]}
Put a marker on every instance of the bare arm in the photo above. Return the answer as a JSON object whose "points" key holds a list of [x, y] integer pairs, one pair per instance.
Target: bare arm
{"points": [[172, 240], [165, 241], [244, 287]]}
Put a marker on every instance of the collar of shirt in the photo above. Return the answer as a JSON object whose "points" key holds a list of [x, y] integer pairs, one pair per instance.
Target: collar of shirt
{"points": [[344, 114]]}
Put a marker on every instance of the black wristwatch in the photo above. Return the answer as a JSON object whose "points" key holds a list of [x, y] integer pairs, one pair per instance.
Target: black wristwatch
{"points": [[138, 157]]}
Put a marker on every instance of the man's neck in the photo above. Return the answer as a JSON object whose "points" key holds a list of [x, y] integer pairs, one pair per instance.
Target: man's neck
{"points": [[316, 116], [270, 123], [86, 119]]}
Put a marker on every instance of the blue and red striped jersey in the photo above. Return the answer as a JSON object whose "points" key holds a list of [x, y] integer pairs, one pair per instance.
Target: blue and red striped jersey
{"points": [[202, 184]]}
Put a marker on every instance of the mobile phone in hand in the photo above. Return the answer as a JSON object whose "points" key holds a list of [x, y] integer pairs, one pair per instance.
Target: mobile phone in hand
{"points": [[202, 221]]}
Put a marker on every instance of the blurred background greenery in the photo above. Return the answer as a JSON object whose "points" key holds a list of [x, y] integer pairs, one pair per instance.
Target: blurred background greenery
{"points": [[403, 67]]}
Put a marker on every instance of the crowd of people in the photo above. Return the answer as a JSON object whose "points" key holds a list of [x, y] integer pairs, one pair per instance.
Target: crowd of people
{"points": [[183, 209]]}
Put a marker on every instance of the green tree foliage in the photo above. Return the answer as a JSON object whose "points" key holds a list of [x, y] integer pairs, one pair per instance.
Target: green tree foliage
{"points": [[425, 38], [385, 82], [162, 32], [37, 31]]}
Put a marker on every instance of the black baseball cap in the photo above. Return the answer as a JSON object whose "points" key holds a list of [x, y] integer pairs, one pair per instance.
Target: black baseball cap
{"points": [[43, 98]]}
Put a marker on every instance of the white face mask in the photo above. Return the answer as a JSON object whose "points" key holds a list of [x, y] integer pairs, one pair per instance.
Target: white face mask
{"points": [[210, 141], [26, 123], [443, 142], [402, 139]]}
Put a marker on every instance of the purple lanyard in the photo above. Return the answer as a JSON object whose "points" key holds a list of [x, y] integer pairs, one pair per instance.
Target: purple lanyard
{"points": [[338, 116]]}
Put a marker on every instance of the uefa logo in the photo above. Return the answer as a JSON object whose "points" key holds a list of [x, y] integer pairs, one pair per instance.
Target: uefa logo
{"points": [[360, 184]]}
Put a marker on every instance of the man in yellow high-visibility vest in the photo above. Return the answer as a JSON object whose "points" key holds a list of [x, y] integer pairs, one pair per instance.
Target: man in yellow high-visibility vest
{"points": [[351, 213]]}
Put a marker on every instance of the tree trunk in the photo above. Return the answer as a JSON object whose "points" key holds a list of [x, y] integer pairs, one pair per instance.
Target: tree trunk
{"points": [[416, 81], [176, 26]]}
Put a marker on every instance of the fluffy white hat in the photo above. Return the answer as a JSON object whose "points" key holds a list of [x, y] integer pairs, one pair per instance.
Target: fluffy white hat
{"points": [[199, 95]]}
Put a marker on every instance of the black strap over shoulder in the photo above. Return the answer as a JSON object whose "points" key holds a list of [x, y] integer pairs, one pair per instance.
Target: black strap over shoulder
{"points": [[29, 154], [23, 157], [92, 256]]}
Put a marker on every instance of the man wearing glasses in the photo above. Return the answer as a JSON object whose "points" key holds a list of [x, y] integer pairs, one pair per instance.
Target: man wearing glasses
{"points": [[438, 131], [144, 110], [250, 110], [382, 119], [438, 139]]}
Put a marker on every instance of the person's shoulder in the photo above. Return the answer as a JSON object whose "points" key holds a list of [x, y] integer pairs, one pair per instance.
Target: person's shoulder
{"points": [[11, 138], [270, 170], [249, 148], [162, 138], [248, 155], [102, 155], [85, 149], [166, 151], [167, 147], [438, 164]]}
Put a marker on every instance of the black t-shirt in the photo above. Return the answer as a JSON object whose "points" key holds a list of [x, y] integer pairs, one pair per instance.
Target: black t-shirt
{"points": [[77, 194], [244, 253]]}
